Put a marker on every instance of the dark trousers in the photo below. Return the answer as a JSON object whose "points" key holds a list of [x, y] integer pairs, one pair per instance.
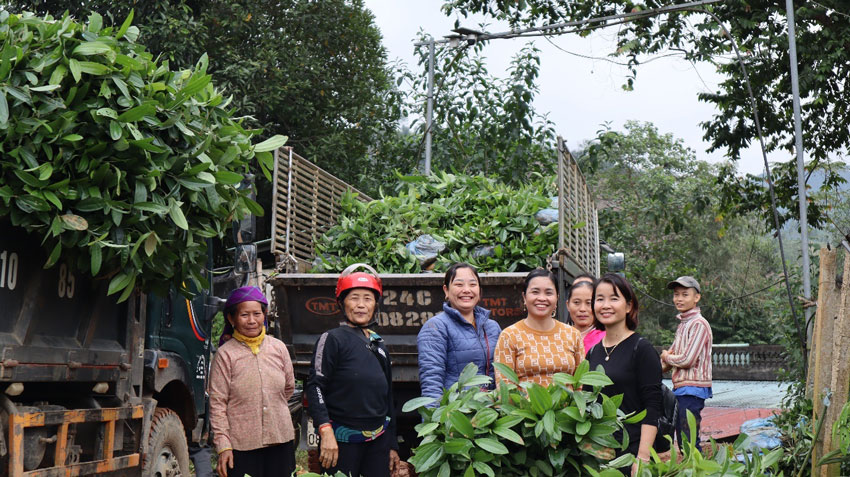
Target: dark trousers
{"points": [[273, 461], [695, 405], [201, 456], [367, 459]]}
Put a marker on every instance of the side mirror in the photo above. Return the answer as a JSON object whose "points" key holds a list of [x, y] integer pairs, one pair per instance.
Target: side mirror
{"points": [[616, 262]]}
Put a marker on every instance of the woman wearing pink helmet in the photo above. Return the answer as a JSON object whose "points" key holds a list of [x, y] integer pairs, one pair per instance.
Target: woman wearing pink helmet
{"points": [[251, 381], [349, 391]]}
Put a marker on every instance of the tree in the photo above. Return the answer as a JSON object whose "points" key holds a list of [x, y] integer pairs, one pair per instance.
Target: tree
{"points": [[482, 124], [314, 71], [106, 152], [658, 204], [759, 29]]}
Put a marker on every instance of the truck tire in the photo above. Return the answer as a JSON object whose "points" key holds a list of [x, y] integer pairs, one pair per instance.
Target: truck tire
{"points": [[168, 452]]}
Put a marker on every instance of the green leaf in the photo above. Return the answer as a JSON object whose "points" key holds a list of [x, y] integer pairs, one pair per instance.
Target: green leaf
{"points": [[416, 403], [595, 378], [491, 445], [177, 216], [506, 372], [427, 457], [466, 374], [4, 107], [92, 68], [150, 244], [72, 138], [47, 87], [74, 222], [426, 428], [76, 69], [54, 255], [118, 282], [137, 113], [509, 435], [483, 468], [227, 177], [151, 207], [95, 22], [462, 424], [254, 207], [540, 399], [271, 143], [124, 26], [96, 258], [115, 130]]}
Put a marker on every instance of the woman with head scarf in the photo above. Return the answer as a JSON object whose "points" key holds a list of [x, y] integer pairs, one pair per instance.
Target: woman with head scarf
{"points": [[580, 307], [462, 333], [251, 381], [349, 391]]}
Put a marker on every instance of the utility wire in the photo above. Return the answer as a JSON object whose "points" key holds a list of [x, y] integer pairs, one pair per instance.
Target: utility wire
{"points": [[800, 336]]}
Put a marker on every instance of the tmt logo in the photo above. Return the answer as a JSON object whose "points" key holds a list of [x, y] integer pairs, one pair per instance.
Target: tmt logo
{"points": [[322, 305]]}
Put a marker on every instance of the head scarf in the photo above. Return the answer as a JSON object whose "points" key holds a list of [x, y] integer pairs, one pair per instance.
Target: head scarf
{"points": [[237, 296]]}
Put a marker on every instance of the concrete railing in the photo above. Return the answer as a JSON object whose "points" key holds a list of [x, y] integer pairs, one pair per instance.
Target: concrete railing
{"points": [[743, 362]]}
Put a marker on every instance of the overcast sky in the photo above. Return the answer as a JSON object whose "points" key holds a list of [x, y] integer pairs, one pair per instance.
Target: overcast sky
{"points": [[580, 94]]}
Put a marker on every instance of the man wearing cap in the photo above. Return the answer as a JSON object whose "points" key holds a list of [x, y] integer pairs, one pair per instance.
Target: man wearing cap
{"points": [[690, 356]]}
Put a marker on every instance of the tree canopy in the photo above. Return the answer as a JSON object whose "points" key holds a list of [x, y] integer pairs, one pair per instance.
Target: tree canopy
{"points": [[759, 29], [314, 71]]}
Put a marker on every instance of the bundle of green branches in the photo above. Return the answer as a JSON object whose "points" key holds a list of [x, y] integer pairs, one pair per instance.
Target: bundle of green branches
{"points": [[481, 221], [119, 166]]}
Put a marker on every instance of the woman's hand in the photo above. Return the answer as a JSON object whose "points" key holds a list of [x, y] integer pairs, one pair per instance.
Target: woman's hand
{"points": [[329, 451], [639, 461], [225, 461], [394, 462]]}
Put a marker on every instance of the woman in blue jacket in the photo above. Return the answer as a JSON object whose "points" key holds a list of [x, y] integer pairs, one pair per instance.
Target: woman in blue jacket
{"points": [[463, 333]]}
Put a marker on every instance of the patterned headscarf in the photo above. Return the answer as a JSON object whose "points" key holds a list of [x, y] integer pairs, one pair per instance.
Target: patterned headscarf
{"points": [[237, 296]]}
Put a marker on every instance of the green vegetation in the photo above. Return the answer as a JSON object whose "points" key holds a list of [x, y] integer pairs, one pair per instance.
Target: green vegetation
{"points": [[466, 213], [565, 429], [107, 151]]}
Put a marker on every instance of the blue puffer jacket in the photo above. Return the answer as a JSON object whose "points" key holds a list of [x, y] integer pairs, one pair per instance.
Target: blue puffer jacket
{"points": [[447, 343]]}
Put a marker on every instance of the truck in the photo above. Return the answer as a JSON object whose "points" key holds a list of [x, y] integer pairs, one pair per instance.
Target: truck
{"points": [[306, 204], [89, 385]]}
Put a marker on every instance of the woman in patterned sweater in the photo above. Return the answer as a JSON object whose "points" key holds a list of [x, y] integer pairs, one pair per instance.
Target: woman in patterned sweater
{"points": [[539, 346]]}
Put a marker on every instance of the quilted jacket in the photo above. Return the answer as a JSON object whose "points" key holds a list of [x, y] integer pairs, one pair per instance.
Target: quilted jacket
{"points": [[447, 343]]}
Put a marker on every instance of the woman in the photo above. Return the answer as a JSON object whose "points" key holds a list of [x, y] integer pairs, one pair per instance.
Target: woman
{"points": [[462, 333], [629, 360], [539, 346], [580, 306], [349, 391], [251, 381]]}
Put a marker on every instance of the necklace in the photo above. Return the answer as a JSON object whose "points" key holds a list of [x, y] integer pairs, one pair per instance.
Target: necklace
{"points": [[608, 353]]}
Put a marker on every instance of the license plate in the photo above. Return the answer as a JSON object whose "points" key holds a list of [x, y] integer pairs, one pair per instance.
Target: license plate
{"points": [[309, 436]]}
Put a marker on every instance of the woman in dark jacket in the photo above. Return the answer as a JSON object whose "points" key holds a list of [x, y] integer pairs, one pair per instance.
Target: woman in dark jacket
{"points": [[349, 391], [629, 360], [463, 333]]}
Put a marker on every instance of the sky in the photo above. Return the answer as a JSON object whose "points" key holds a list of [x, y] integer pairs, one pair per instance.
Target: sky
{"points": [[580, 94]]}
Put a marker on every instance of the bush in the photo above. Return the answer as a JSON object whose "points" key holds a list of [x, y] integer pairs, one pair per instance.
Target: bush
{"points": [[467, 213], [108, 154], [521, 429]]}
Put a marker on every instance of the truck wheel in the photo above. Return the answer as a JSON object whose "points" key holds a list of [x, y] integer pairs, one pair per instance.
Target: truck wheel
{"points": [[168, 453]]}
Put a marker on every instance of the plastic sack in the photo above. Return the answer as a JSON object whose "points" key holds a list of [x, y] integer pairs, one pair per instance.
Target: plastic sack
{"points": [[546, 216], [553, 202], [763, 432], [483, 251], [426, 248]]}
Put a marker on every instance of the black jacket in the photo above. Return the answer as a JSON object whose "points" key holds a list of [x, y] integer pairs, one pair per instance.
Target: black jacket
{"points": [[351, 382]]}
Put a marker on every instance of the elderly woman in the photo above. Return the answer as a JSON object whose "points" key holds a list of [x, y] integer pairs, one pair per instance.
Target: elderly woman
{"points": [[463, 333], [539, 346], [250, 383], [349, 392]]}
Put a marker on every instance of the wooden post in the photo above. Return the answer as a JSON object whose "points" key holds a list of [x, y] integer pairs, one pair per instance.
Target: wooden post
{"points": [[840, 379], [820, 369]]}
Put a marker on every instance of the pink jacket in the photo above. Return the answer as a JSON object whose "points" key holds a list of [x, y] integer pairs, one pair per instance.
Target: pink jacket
{"points": [[249, 394], [690, 354]]}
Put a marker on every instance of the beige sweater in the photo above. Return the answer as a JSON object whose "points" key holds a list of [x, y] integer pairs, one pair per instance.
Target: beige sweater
{"points": [[249, 394]]}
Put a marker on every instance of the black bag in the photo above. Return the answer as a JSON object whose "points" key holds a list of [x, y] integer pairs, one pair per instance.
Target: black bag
{"points": [[669, 414]]}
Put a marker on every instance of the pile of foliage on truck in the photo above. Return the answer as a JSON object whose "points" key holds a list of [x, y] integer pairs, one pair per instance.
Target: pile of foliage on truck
{"points": [[435, 220]]}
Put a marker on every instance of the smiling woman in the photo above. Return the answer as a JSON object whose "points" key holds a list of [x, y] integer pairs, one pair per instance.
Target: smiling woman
{"points": [[539, 346], [462, 333]]}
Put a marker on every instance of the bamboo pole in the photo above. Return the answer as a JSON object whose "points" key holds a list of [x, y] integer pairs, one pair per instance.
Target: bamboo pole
{"points": [[820, 369]]}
